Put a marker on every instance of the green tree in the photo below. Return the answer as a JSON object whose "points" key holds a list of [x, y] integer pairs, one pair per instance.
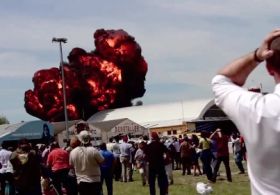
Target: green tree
{"points": [[3, 120]]}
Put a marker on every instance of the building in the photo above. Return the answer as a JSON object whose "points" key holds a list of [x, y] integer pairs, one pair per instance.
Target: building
{"points": [[34, 131], [103, 131], [171, 119]]}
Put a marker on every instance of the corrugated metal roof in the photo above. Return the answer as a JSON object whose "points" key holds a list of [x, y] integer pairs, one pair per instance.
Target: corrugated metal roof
{"points": [[156, 114]]}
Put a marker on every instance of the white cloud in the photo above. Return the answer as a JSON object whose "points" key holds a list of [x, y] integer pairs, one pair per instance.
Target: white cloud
{"points": [[184, 42]]}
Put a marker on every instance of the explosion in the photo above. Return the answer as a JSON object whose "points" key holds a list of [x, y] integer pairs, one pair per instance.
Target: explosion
{"points": [[109, 77]]}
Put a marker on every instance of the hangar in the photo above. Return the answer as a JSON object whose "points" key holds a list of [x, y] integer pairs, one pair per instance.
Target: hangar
{"points": [[171, 119]]}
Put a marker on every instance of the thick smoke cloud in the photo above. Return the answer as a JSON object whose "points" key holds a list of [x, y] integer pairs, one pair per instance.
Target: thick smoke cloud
{"points": [[109, 77]]}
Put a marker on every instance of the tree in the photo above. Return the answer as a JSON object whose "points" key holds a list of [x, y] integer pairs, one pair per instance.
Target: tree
{"points": [[3, 120]]}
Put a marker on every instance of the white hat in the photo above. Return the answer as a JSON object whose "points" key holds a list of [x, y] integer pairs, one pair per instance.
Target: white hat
{"points": [[84, 137]]}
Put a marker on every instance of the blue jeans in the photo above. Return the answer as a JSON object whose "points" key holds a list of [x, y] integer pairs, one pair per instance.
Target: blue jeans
{"points": [[206, 158], [238, 161], [107, 175]]}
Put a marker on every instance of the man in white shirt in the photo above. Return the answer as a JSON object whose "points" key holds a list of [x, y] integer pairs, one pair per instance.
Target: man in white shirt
{"points": [[238, 153], [176, 144], [257, 116], [86, 161], [6, 169]]}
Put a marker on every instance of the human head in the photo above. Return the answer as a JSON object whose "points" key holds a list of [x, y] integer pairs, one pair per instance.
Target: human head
{"points": [[154, 136], [54, 145], [84, 137], [204, 134], [4, 145], [125, 138], [111, 140], [74, 142], [141, 144], [273, 63], [24, 145], [103, 146]]}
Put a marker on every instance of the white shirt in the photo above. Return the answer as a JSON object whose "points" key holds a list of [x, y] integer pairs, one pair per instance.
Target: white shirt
{"points": [[176, 144], [86, 162], [257, 117], [125, 149], [236, 144], [4, 160]]}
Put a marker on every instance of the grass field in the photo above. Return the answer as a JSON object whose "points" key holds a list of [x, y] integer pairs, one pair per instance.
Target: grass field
{"points": [[187, 184]]}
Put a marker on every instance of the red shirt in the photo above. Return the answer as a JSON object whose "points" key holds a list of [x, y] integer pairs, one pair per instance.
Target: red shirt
{"points": [[58, 159], [222, 146]]}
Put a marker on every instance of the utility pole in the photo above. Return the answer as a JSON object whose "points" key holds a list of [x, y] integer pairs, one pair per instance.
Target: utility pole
{"points": [[60, 41]]}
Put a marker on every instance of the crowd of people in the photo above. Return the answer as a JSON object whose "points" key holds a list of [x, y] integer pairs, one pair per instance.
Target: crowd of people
{"points": [[81, 168]]}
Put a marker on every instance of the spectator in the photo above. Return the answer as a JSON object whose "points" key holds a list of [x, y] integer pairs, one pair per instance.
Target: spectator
{"points": [[125, 159], [74, 142], [26, 169], [107, 168], [6, 171], [140, 160], [86, 161], [206, 155], [168, 166], [222, 153], [117, 163], [58, 161], [237, 151], [177, 158], [255, 115], [155, 151], [186, 153], [195, 155]]}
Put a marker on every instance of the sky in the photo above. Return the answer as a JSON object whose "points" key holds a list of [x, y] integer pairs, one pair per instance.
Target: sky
{"points": [[184, 42]]}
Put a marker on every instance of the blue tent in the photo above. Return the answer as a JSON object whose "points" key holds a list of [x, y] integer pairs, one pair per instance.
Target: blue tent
{"points": [[32, 130]]}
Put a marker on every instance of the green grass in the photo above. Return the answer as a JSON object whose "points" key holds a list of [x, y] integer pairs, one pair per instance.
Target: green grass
{"points": [[187, 184]]}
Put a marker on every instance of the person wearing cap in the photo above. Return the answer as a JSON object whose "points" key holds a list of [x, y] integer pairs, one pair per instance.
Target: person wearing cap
{"points": [[86, 161], [155, 152], [255, 115]]}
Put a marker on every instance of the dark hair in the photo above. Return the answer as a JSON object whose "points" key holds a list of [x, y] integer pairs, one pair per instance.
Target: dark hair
{"points": [[103, 146], [54, 145], [274, 60], [204, 134], [24, 145]]}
